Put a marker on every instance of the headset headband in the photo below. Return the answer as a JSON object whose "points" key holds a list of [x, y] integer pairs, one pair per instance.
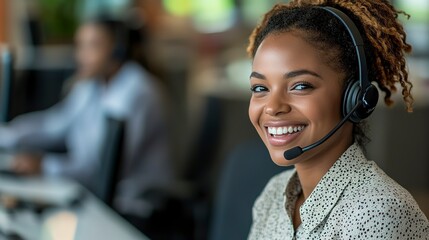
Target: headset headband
{"points": [[357, 42]]}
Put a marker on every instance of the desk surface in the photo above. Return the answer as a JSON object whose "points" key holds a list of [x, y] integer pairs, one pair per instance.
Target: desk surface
{"points": [[88, 219]]}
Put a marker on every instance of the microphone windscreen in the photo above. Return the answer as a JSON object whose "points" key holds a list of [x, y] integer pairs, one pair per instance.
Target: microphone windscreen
{"points": [[293, 153]]}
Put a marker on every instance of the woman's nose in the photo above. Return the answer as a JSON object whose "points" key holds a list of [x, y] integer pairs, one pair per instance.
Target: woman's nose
{"points": [[277, 104]]}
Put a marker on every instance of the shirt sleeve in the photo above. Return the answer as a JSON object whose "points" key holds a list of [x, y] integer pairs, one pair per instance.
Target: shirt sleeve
{"points": [[386, 218], [68, 166], [43, 129]]}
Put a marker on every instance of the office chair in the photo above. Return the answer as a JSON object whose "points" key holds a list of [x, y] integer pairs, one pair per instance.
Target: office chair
{"points": [[110, 161], [245, 173]]}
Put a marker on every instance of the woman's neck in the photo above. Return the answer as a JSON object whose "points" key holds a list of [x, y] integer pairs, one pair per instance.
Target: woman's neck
{"points": [[311, 172], [310, 175]]}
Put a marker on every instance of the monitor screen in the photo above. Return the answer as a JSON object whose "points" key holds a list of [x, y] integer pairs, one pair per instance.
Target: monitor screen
{"points": [[6, 76]]}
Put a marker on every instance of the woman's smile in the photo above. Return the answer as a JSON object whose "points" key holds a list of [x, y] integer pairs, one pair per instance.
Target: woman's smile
{"points": [[282, 134]]}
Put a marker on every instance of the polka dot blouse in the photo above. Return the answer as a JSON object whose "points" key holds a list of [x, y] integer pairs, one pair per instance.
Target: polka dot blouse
{"points": [[354, 200]]}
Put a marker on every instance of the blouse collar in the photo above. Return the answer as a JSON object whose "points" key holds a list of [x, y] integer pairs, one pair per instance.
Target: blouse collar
{"points": [[328, 191]]}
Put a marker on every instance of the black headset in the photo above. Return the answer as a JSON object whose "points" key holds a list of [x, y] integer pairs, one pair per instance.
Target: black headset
{"points": [[120, 36], [359, 91]]}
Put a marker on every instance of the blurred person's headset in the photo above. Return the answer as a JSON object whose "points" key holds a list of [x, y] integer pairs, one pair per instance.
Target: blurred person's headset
{"points": [[119, 32]]}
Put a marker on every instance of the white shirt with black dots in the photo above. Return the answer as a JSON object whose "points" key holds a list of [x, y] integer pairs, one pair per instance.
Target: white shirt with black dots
{"points": [[354, 200]]}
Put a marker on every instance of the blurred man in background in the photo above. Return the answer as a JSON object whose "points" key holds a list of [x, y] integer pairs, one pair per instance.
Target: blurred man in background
{"points": [[106, 85]]}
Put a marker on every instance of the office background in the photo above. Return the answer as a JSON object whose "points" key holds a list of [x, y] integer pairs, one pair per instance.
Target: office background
{"points": [[196, 48]]}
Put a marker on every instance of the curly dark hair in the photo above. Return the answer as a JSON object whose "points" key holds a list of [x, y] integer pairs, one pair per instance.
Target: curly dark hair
{"points": [[383, 35]]}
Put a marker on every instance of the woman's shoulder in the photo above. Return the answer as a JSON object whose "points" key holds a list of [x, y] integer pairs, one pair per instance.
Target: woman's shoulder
{"points": [[137, 73], [371, 181], [375, 198], [374, 206], [274, 190]]}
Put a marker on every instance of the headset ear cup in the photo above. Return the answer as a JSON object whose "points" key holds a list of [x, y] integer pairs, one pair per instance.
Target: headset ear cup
{"points": [[350, 99], [120, 49], [369, 100], [352, 95]]}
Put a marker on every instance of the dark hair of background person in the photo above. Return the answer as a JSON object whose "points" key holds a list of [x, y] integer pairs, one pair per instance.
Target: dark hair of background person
{"points": [[119, 33], [383, 35], [129, 40]]}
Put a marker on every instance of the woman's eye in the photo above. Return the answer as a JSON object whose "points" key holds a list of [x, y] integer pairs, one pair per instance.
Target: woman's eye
{"points": [[301, 86], [258, 88]]}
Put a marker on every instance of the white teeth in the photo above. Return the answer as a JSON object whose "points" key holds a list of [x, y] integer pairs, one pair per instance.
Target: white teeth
{"points": [[284, 130]]}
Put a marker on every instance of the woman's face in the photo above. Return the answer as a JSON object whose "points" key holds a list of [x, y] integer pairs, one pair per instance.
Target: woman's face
{"points": [[94, 50], [296, 98]]}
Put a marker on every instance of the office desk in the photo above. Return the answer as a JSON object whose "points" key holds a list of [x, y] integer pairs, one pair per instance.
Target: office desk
{"points": [[81, 218]]}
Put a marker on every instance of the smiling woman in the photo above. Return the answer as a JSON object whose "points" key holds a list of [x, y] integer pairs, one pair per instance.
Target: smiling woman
{"points": [[309, 75], [295, 81]]}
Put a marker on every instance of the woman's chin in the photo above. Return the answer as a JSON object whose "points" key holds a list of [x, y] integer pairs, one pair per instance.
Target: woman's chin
{"points": [[278, 158]]}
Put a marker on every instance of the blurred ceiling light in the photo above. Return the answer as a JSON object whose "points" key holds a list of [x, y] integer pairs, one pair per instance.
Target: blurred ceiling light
{"points": [[178, 7], [208, 16], [214, 16], [253, 10]]}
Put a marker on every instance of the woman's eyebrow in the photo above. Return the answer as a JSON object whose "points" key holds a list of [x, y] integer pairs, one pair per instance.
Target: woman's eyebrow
{"points": [[257, 75], [287, 75], [301, 72]]}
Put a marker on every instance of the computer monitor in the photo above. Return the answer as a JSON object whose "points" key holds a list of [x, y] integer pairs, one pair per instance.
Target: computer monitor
{"points": [[6, 78]]}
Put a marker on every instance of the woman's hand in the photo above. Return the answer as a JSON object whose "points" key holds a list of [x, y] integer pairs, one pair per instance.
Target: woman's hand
{"points": [[27, 163]]}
